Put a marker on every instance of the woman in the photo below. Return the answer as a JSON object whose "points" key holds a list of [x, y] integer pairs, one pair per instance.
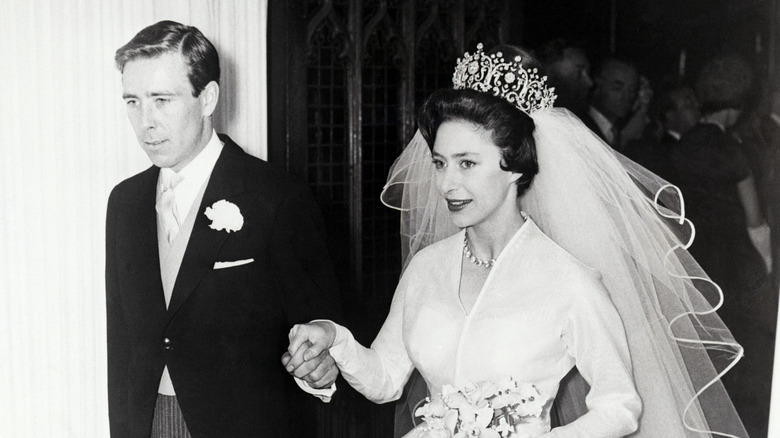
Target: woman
{"points": [[499, 299], [716, 172]]}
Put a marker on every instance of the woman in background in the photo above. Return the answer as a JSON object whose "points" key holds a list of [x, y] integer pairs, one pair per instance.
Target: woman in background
{"points": [[716, 171]]}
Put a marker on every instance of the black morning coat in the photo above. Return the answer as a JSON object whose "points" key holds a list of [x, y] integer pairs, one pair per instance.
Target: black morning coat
{"points": [[226, 328]]}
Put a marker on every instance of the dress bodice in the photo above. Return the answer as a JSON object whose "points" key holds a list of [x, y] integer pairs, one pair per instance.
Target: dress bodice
{"points": [[514, 326], [538, 314]]}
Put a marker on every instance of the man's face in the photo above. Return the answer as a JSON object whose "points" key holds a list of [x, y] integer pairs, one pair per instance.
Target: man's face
{"points": [[615, 91], [571, 77], [575, 69], [171, 124], [686, 112]]}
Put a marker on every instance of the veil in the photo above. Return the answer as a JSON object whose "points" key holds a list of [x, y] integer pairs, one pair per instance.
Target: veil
{"points": [[628, 224]]}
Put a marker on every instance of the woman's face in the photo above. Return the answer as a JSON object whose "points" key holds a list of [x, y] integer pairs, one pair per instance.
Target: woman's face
{"points": [[469, 175]]}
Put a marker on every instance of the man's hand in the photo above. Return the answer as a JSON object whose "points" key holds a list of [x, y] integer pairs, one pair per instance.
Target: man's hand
{"points": [[639, 120], [307, 356]]}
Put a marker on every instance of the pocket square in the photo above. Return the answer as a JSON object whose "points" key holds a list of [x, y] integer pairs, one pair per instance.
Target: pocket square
{"points": [[223, 265]]}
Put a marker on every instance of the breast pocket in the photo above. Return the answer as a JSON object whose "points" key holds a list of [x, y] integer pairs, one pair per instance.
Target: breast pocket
{"points": [[233, 264]]}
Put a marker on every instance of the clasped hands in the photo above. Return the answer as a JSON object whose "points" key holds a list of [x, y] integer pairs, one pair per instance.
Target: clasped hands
{"points": [[308, 357]]}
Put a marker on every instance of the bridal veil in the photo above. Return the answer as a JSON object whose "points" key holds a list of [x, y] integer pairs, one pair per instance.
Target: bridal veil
{"points": [[629, 225]]}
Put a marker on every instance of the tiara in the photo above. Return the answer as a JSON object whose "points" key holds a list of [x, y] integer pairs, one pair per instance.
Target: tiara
{"points": [[508, 80]]}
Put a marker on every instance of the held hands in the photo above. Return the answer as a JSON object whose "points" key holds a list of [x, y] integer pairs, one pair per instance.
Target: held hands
{"points": [[307, 356]]}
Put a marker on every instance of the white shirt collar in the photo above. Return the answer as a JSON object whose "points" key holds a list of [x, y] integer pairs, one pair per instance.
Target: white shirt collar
{"points": [[604, 124], [714, 122], [674, 134], [195, 174], [200, 167]]}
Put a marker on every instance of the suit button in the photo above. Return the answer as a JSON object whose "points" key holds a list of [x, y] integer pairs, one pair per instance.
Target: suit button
{"points": [[167, 344]]}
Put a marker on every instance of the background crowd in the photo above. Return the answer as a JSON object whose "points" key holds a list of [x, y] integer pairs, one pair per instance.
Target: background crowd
{"points": [[68, 142], [716, 137]]}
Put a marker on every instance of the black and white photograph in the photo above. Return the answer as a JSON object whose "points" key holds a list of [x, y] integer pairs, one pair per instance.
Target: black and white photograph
{"points": [[389, 218]]}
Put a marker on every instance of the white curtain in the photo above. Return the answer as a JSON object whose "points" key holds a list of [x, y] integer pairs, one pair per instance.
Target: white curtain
{"points": [[64, 143]]}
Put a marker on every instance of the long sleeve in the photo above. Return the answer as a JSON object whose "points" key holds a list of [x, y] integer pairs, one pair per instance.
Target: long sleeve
{"points": [[379, 372], [595, 337]]}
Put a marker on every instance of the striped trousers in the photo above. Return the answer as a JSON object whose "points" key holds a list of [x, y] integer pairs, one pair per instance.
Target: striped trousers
{"points": [[168, 420]]}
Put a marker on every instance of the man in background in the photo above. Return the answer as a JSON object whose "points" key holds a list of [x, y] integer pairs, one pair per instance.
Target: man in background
{"points": [[568, 70], [679, 111], [211, 256], [619, 104]]}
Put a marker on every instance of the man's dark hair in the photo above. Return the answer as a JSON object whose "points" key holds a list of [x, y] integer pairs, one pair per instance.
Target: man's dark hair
{"points": [[552, 50], [510, 51], [172, 37], [613, 62]]}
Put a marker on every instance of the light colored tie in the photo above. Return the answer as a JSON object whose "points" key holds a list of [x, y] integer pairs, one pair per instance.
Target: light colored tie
{"points": [[166, 204]]}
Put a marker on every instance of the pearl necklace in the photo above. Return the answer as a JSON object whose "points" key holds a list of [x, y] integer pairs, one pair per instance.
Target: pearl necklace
{"points": [[469, 255]]}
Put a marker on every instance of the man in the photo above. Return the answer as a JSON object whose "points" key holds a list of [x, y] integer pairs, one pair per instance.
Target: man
{"points": [[568, 70], [679, 112], [211, 256], [618, 112]]}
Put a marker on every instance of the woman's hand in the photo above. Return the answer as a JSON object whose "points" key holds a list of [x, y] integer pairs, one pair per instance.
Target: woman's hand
{"points": [[307, 356]]}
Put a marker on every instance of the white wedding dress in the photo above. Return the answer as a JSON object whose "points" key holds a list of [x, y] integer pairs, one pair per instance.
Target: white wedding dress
{"points": [[539, 313]]}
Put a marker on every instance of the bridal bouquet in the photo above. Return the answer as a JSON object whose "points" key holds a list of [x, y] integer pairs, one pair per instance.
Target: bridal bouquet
{"points": [[485, 409]]}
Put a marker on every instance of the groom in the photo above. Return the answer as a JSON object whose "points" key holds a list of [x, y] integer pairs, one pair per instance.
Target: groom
{"points": [[211, 256]]}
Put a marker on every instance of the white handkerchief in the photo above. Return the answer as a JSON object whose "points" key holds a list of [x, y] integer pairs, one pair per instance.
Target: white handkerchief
{"points": [[223, 265]]}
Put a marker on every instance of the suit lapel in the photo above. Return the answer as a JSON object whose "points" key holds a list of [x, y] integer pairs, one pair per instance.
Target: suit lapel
{"points": [[144, 263], [227, 181]]}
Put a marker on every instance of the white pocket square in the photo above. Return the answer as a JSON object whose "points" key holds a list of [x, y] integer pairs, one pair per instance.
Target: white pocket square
{"points": [[223, 265]]}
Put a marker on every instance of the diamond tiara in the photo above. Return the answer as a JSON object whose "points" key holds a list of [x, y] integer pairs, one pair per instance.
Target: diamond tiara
{"points": [[508, 80]]}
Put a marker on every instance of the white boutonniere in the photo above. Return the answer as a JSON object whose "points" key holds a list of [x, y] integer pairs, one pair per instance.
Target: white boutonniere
{"points": [[225, 215]]}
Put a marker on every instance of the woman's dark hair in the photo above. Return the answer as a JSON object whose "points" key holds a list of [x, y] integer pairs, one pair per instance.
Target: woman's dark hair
{"points": [[172, 37], [510, 129], [725, 81]]}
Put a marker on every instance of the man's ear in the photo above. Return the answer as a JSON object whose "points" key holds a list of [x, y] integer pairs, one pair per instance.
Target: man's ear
{"points": [[209, 97]]}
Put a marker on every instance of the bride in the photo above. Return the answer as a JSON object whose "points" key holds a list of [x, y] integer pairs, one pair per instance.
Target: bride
{"points": [[531, 249]]}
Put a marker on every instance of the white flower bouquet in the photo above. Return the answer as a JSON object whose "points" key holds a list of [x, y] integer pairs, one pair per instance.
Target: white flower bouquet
{"points": [[485, 409]]}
